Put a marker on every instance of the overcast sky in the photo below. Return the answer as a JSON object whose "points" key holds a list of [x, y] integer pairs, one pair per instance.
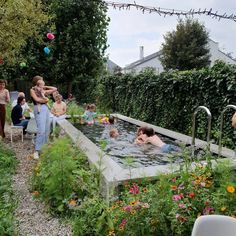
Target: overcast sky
{"points": [[130, 29]]}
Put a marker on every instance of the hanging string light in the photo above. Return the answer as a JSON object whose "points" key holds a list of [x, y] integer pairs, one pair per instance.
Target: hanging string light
{"points": [[170, 12]]}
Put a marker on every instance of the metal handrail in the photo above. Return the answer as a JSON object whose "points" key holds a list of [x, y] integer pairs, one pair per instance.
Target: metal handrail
{"points": [[209, 125], [221, 126]]}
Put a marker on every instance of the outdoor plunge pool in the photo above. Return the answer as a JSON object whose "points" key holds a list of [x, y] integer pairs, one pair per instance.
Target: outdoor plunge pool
{"points": [[123, 147]]}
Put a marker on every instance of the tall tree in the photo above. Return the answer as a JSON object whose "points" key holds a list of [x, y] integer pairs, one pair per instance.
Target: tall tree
{"points": [[81, 40], [19, 20], [186, 47]]}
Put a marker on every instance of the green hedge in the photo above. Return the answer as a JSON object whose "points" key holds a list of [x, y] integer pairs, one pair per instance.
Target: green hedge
{"points": [[169, 99]]}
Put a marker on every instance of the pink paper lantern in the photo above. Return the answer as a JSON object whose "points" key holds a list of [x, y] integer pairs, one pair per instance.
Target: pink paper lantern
{"points": [[50, 36]]}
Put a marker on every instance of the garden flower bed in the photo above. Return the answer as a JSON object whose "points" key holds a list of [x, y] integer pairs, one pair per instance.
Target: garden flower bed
{"points": [[167, 206]]}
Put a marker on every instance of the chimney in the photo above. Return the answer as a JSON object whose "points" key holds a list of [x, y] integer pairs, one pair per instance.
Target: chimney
{"points": [[141, 52]]}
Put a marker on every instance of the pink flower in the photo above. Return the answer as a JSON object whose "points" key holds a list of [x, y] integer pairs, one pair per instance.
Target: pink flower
{"points": [[134, 189], [177, 216], [127, 208], [176, 198], [123, 222], [208, 210], [182, 206], [174, 180]]}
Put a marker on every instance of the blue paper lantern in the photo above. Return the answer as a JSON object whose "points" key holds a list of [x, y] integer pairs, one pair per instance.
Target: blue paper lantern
{"points": [[46, 50]]}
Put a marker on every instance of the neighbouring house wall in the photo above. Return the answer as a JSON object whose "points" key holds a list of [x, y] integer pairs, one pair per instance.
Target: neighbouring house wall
{"points": [[154, 63], [216, 54]]}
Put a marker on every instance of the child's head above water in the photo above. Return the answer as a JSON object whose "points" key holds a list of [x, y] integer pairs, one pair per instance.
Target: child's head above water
{"points": [[149, 131], [114, 133], [141, 130], [145, 130], [111, 120], [92, 107]]}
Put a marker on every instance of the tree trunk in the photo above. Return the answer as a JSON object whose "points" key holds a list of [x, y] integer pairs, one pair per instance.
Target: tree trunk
{"points": [[69, 87]]}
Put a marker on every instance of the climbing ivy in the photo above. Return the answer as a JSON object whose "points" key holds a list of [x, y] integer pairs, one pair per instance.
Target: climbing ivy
{"points": [[170, 98]]}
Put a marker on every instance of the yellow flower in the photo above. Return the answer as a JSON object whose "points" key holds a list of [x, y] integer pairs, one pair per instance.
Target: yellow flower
{"points": [[152, 222], [114, 206], [133, 212], [231, 189], [133, 203], [223, 208], [111, 233], [145, 190]]}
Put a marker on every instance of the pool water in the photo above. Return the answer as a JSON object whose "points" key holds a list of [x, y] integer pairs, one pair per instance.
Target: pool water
{"points": [[123, 147]]}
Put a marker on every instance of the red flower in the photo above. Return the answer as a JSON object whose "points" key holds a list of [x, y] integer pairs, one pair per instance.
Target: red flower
{"points": [[191, 195]]}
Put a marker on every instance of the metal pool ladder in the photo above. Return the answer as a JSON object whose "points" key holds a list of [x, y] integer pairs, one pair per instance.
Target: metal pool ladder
{"points": [[209, 125], [221, 126]]}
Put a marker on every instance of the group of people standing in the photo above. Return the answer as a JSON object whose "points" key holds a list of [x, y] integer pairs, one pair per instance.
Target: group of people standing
{"points": [[43, 114]]}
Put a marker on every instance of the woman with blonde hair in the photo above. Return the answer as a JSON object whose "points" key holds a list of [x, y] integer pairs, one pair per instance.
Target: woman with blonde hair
{"points": [[42, 117]]}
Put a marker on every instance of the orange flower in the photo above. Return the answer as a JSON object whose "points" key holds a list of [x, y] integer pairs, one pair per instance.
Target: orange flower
{"points": [[231, 189], [72, 202], [35, 193], [173, 187]]}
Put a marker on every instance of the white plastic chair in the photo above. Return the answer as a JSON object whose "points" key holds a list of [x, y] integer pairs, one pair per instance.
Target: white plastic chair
{"points": [[214, 225]]}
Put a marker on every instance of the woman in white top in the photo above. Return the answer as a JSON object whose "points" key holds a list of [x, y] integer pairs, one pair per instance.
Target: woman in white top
{"points": [[4, 99]]}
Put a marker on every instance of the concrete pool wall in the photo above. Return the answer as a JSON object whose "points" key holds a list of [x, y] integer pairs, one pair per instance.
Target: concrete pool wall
{"points": [[112, 172]]}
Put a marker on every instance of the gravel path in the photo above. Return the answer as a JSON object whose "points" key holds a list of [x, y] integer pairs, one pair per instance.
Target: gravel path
{"points": [[31, 215]]}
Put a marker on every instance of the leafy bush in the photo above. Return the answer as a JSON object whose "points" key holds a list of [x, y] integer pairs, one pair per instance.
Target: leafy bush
{"points": [[7, 203], [91, 217], [62, 176]]}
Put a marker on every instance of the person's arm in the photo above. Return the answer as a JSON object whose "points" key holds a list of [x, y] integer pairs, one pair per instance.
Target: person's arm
{"points": [[36, 98], [234, 120], [7, 96], [27, 108], [53, 110], [49, 89], [139, 139]]}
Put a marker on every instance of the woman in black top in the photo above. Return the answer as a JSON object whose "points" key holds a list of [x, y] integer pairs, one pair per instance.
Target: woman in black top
{"points": [[16, 114]]}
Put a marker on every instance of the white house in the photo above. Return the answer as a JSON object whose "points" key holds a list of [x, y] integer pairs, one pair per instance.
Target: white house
{"points": [[112, 67], [154, 62]]}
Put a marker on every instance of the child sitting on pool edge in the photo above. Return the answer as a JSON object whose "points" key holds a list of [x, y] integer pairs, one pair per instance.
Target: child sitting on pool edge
{"points": [[147, 135], [90, 114]]}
